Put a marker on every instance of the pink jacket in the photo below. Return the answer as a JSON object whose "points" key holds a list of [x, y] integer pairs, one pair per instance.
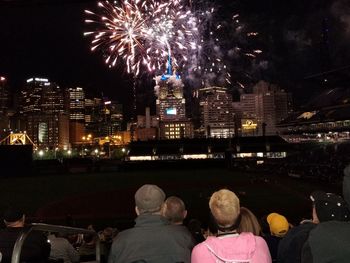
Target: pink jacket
{"points": [[232, 249]]}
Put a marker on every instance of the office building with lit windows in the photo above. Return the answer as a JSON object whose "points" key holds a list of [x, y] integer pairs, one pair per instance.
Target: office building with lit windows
{"points": [[76, 104], [263, 109], [217, 116], [170, 107], [4, 95], [42, 104]]}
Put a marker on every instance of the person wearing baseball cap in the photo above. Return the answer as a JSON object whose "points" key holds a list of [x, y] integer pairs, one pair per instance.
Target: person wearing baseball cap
{"points": [[278, 226], [329, 241], [152, 239], [326, 207]]}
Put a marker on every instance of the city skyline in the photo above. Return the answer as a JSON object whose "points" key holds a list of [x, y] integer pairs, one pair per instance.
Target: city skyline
{"points": [[45, 39]]}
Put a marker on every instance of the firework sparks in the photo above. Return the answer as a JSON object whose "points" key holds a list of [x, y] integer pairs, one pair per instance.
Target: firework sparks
{"points": [[142, 33], [225, 48], [119, 32]]}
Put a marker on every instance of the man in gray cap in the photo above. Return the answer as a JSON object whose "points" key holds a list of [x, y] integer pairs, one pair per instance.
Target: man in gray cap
{"points": [[152, 239]]}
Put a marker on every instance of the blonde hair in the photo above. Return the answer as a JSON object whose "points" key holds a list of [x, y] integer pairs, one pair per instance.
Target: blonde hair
{"points": [[249, 222], [224, 206]]}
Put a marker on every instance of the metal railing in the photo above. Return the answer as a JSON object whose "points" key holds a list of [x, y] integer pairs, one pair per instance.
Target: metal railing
{"points": [[16, 254]]}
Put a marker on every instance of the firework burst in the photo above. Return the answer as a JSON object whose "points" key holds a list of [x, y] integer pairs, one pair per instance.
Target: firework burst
{"points": [[142, 33]]}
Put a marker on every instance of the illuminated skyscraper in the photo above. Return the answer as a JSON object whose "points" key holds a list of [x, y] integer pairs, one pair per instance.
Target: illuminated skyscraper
{"points": [[4, 95], [42, 104], [217, 112], [265, 107], [170, 106], [76, 104]]}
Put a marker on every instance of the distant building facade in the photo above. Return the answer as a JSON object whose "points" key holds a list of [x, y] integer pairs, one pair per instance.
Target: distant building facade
{"points": [[170, 107], [4, 95], [147, 126], [42, 104], [263, 109], [218, 118], [76, 104]]}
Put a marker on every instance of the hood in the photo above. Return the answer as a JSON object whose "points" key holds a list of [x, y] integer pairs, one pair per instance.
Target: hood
{"points": [[232, 248], [346, 185]]}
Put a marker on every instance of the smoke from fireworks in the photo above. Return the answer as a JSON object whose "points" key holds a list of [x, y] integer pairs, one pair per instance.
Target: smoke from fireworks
{"points": [[225, 53]]}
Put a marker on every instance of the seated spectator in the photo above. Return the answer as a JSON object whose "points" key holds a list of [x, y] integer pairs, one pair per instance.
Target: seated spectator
{"points": [[152, 239], [107, 236], [62, 249], [325, 207], [36, 247], [278, 226], [174, 210], [329, 241], [249, 222], [228, 245], [75, 239], [87, 250]]}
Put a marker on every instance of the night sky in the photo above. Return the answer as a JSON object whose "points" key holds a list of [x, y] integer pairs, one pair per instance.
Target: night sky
{"points": [[45, 38]]}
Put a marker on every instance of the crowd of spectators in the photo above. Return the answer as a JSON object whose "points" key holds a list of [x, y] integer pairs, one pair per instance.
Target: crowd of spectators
{"points": [[234, 235], [322, 164]]}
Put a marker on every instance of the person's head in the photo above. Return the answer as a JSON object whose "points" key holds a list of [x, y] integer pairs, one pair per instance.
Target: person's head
{"points": [[278, 224], [249, 222], [225, 208], [328, 206], [14, 218], [89, 239], [149, 199], [174, 210]]}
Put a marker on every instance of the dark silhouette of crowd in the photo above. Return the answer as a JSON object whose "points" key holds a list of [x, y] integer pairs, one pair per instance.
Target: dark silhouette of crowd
{"points": [[234, 233]]}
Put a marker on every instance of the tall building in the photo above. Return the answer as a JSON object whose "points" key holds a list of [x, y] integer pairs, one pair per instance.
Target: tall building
{"points": [[103, 117], [31, 95], [263, 109], [170, 106], [76, 104], [112, 118], [4, 108], [4, 95], [217, 113], [42, 104]]}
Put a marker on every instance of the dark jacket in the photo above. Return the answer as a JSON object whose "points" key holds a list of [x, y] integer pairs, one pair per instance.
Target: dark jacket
{"points": [[290, 247], [272, 242], [153, 240], [328, 242], [35, 248]]}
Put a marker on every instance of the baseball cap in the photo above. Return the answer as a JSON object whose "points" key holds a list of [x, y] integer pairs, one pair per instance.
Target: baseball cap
{"points": [[278, 224], [330, 206], [12, 215]]}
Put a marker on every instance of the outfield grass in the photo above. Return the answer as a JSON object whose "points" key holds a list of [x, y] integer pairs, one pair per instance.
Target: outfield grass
{"points": [[110, 195]]}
